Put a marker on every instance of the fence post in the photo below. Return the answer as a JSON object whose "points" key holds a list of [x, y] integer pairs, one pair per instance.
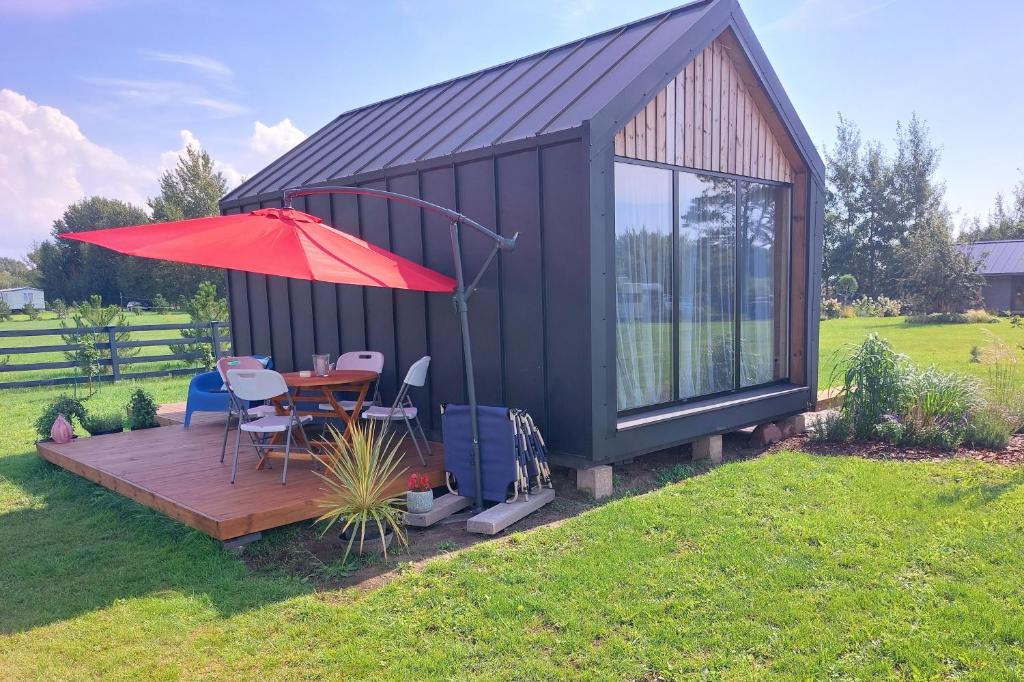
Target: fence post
{"points": [[215, 338], [115, 368]]}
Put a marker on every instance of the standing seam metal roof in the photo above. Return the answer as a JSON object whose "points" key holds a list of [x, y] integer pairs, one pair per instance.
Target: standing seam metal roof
{"points": [[1003, 257], [553, 90]]}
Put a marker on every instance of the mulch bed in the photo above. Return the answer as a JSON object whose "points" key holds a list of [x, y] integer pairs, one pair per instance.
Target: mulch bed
{"points": [[1013, 455]]}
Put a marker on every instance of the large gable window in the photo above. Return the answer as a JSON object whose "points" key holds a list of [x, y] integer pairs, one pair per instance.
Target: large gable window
{"points": [[702, 284]]}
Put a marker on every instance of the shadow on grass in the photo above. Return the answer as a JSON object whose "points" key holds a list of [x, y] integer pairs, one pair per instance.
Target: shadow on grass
{"points": [[77, 547], [976, 493]]}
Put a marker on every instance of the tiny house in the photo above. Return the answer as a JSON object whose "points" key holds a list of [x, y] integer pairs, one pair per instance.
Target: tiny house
{"points": [[17, 298], [669, 204], [1001, 263]]}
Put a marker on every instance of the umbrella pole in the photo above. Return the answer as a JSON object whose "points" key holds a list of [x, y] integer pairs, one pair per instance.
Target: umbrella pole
{"points": [[462, 308]]}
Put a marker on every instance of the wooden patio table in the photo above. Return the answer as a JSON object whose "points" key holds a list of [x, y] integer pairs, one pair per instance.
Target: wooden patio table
{"points": [[322, 389]]}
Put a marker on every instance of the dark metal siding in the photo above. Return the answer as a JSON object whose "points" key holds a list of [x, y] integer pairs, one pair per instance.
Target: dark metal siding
{"points": [[529, 316]]}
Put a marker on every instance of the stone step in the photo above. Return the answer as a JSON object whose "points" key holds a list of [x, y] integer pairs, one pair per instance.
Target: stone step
{"points": [[502, 515], [444, 506]]}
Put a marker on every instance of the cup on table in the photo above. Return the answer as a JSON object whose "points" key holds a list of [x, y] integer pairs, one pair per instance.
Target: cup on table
{"points": [[321, 364]]}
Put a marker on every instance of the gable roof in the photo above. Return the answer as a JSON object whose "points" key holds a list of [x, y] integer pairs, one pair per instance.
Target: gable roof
{"points": [[1002, 257], [555, 90]]}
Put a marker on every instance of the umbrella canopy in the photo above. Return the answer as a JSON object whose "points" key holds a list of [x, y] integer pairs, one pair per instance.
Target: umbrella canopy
{"points": [[271, 241]]}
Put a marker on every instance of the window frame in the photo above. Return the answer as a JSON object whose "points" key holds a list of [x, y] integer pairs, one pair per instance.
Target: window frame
{"points": [[740, 281]]}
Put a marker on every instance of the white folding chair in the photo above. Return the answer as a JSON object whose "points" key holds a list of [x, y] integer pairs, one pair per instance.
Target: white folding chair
{"points": [[403, 406], [369, 360], [265, 384], [234, 407]]}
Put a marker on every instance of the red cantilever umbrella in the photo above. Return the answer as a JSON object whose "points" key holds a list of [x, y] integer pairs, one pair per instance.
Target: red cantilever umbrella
{"points": [[271, 241]]}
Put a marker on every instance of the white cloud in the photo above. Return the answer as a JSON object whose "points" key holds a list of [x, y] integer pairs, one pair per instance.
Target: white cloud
{"points": [[146, 93], [824, 14], [207, 65], [272, 141], [46, 163]]}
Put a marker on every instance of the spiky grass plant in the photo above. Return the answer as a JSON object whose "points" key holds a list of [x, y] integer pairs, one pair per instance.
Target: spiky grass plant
{"points": [[874, 384], [359, 468]]}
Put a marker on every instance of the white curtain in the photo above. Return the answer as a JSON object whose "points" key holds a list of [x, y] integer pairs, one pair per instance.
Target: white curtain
{"points": [[643, 275], [707, 284]]}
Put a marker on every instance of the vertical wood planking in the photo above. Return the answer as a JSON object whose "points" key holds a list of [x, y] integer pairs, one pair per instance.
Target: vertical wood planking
{"points": [[351, 304], [707, 118], [300, 298], [375, 224], [661, 126], [325, 295]]}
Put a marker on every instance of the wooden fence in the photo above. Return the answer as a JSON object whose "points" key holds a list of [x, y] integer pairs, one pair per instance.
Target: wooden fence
{"points": [[218, 336]]}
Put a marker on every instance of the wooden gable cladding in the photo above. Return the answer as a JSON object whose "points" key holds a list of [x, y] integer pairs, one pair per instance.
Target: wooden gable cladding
{"points": [[712, 116]]}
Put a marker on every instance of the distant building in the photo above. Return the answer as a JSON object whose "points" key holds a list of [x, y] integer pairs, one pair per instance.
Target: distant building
{"points": [[1002, 264], [17, 297]]}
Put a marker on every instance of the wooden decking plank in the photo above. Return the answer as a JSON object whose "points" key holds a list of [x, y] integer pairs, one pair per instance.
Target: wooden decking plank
{"points": [[178, 472]]}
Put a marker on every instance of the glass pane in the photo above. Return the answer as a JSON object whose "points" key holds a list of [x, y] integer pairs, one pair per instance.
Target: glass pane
{"points": [[643, 284], [707, 284], [764, 312]]}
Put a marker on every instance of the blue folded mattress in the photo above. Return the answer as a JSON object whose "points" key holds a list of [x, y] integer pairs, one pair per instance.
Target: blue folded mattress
{"points": [[498, 465]]}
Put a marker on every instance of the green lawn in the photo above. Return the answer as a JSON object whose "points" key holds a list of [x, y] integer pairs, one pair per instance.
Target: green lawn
{"points": [[947, 346], [785, 566]]}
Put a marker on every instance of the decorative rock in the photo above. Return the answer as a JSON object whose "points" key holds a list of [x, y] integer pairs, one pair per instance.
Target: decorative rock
{"points": [[765, 434], [61, 431], [597, 481], [793, 426], [708, 448]]}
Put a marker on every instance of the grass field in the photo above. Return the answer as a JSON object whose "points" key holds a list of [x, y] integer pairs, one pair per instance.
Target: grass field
{"points": [[47, 320], [757, 569], [947, 346]]}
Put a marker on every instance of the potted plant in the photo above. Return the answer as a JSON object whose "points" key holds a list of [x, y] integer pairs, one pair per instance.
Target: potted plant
{"points": [[141, 411], [71, 408], [420, 498], [100, 424], [359, 469]]}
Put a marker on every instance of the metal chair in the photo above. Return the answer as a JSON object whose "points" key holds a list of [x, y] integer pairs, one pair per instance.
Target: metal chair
{"points": [[234, 406], [262, 385], [403, 406], [369, 360]]}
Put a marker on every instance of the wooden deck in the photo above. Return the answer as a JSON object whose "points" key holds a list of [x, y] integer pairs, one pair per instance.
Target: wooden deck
{"points": [[177, 471]]}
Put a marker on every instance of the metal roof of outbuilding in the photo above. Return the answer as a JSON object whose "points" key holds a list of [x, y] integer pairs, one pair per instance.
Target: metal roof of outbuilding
{"points": [[1003, 257], [553, 90]]}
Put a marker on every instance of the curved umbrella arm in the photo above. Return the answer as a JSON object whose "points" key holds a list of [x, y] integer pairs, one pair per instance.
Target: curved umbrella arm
{"points": [[503, 243]]}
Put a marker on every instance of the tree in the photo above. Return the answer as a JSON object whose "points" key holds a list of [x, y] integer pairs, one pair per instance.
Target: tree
{"points": [[842, 173], [939, 277], [205, 307], [1004, 221], [94, 314], [5, 311], [74, 271], [191, 190], [15, 273], [846, 286]]}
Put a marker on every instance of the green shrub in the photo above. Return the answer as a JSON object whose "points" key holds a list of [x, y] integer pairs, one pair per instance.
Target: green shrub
{"points": [[832, 428], [59, 308], [990, 426], [981, 316], [31, 311], [975, 354], [141, 411], [5, 311], [103, 423], [971, 316], [873, 385], [71, 408]]}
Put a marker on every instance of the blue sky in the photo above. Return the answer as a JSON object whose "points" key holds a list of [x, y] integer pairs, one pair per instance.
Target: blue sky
{"points": [[97, 96]]}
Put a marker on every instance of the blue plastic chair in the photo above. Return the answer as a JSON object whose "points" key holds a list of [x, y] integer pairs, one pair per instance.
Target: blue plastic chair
{"points": [[206, 392]]}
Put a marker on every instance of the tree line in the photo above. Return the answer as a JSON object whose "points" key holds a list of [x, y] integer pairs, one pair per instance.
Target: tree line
{"points": [[888, 226], [73, 271]]}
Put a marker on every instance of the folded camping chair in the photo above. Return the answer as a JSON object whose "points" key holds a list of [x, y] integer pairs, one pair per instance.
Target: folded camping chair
{"points": [[403, 406], [262, 385], [500, 461], [234, 406], [369, 360]]}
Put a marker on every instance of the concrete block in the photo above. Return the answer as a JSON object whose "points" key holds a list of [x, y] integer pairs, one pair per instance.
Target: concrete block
{"points": [[597, 481], [239, 543], [444, 506], [765, 434], [501, 516], [793, 426], [708, 448]]}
